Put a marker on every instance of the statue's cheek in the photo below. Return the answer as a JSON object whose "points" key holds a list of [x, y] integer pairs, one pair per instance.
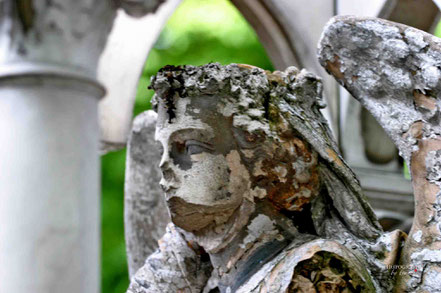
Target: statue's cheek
{"points": [[239, 183], [206, 182]]}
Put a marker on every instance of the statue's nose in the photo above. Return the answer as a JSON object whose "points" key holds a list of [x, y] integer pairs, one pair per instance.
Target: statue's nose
{"points": [[168, 180], [167, 174], [164, 163]]}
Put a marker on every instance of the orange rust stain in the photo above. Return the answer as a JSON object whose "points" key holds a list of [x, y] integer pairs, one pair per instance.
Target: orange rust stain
{"points": [[288, 195], [247, 66], [425, 195], [424, 190], [334, 67], [415, 130], [275, 77], [191, 245], [423, 101], [334, 156]]}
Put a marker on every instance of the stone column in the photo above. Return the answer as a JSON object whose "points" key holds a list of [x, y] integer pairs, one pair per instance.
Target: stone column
{"points": [[49, 176]]}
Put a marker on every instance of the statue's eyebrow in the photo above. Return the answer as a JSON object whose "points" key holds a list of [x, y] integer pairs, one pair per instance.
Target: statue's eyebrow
{"points": [[191, 133]]}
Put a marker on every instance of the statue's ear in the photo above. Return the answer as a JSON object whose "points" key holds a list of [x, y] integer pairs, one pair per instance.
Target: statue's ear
{"points": [[145, 212]]}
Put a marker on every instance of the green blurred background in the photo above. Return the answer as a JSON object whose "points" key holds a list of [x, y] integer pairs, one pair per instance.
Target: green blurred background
{"points": [[199, 32]]}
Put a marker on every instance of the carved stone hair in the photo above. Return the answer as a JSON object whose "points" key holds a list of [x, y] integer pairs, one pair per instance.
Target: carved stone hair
{"points": [[275, 104], [252, 88]]}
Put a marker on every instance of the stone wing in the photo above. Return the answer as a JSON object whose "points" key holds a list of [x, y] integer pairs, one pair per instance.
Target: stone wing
{"points": [[145, 212]]}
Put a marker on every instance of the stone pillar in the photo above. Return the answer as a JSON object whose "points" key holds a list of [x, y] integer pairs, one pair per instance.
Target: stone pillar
{"points": [[49, 176], [49, 183]]}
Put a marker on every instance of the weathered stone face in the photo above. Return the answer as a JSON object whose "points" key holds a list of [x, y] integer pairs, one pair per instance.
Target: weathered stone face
{"points": [[222, 148], [203, 177], [210, 164], [279, 135]]}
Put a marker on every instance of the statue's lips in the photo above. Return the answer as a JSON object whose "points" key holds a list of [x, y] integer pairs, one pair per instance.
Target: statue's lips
{"points": [[193, 217], [170, 192]]}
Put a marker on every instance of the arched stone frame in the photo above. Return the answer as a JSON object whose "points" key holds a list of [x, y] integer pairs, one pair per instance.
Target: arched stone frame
{"points": [[120, 67]]}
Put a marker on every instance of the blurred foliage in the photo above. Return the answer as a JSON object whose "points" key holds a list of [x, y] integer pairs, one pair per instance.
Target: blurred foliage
{"points": [[199, 32], [437, 31], [113, 257]]}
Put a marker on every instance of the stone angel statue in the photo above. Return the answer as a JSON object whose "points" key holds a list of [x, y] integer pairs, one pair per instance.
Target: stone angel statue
{"points": [[260, 199]]}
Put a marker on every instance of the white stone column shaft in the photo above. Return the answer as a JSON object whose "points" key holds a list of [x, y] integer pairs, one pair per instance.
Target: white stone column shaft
{"points": [[49, 182], [49, 161]]}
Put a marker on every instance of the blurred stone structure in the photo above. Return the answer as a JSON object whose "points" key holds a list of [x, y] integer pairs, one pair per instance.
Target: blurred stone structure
{"points": [[49, 153]]}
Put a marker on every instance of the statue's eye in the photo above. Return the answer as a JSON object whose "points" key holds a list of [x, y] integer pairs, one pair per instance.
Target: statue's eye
{"points": [[193, 147]]}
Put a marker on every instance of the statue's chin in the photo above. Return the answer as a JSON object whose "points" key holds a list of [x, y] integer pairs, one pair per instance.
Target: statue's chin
{"points": [[191, 223], [194, 217]]}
